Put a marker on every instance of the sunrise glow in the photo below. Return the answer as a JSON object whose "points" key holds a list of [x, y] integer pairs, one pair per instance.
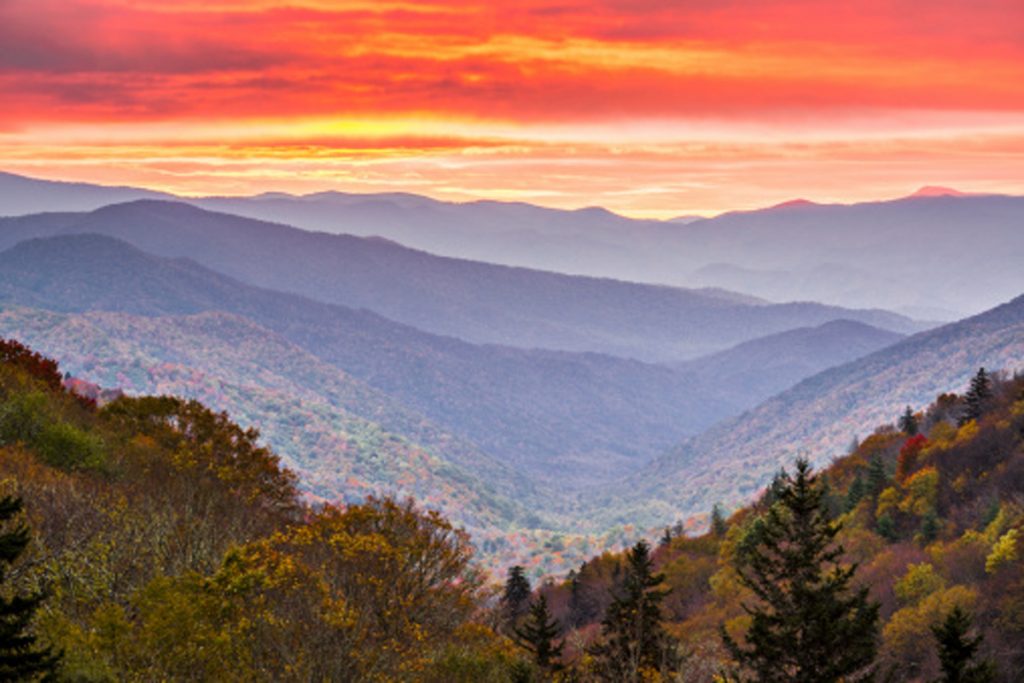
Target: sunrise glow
{"points": [[648, 108]]}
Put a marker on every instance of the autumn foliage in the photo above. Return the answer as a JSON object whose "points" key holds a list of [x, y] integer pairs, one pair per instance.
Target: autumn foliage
{"points": [[172, 545]]}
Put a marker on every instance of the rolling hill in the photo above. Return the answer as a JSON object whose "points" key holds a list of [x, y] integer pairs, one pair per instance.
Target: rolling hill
{"points": [[21, 195], [818, 418]]}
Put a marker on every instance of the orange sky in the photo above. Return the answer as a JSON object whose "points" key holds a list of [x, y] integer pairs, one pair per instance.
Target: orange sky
{"points": [[648, 107]]}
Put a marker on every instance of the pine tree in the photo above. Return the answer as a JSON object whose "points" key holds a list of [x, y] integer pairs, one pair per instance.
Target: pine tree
{"points": [[583, 607], [957, 651], [929, 527], [538, 635], [634, 642], [771, 494], [886, 528], [908, 422], [878, 478], [809, 625], [977, 397], [20, 657], [855, 493], [718, 524], [516, 600]]}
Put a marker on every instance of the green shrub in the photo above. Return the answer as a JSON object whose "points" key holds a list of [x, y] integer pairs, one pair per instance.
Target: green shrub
{"points": [[69, 448]]}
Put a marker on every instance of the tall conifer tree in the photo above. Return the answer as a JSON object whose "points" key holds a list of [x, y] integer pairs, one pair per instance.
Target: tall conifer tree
{"points": [[957, 651], [718, 524], [908, 422], [538, 635], [515, 601], [809, 625], [977, 397], [21, 659], [634, 642]]}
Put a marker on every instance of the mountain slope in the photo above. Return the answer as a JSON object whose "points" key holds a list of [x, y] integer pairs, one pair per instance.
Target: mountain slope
{"points": [[478, 302], [758, 369], [21, 195], [308, 411], [819, 417], [570, 418]]}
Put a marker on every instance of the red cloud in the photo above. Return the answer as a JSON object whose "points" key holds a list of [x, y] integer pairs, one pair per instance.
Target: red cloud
{"points": [[530, 59]]}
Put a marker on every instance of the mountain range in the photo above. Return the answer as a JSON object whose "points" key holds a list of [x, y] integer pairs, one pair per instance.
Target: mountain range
{"points": [[917, 254], [477, 302], [511, 398], [541, 410]]}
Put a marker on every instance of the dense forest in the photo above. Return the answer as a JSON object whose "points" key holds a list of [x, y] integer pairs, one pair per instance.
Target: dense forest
{"points": [[150, 538]]}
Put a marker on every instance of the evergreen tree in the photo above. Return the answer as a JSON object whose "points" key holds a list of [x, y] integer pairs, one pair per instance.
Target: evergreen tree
{"points": [[20, 657], [886, 528], [830, 503], [634, 643], [957, 651], [583, 607], [538, 635], [929, 526], [718, 523], [977, 397], [908, 422], [878, 478], [516, 600], [855, 493], [771, 494], [809, 625]]}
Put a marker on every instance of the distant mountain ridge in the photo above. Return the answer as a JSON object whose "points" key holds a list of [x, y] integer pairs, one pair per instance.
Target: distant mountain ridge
{"points": [[478, 302], [911, 253]]}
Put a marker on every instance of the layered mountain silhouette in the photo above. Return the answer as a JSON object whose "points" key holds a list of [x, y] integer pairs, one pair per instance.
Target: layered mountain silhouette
{"points": [[917, 254], [508, 396], [542, 411], [819, 417], [477, 302]]}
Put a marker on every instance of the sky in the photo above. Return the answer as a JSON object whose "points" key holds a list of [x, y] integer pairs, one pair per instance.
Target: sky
{"points": [[652, 108]]}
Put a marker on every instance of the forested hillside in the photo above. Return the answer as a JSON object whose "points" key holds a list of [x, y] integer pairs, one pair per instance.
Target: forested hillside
{"points": [[756, 370], [931, 517], [169, 545], [342, 438], [818, 418], [538, 410]]}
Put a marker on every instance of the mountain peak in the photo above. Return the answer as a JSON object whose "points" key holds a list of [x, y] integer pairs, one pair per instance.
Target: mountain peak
{"points": [[938, 191], [794, 204]]}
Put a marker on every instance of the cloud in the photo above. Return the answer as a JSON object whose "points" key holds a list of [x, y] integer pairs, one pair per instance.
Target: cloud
{"points": [[438, 82]]}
